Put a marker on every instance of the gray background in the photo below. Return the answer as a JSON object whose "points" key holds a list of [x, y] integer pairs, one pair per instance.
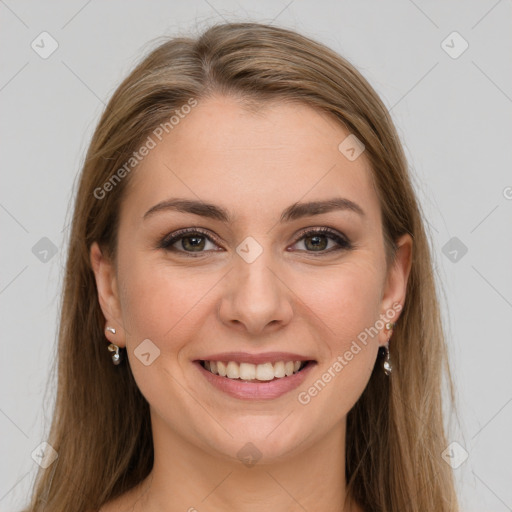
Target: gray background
{"points": [[454, 118]]}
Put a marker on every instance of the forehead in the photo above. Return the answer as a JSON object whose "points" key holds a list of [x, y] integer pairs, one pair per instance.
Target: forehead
{"points": [[250, 161]]}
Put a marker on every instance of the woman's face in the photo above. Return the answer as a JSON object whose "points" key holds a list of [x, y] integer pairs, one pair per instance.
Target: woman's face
{"points": [[260, 281]]}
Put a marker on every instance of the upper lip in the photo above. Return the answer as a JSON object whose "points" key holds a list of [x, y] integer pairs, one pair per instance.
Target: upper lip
{"points": [[245, 357]]}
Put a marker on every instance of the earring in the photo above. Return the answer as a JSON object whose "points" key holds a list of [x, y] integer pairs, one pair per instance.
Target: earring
{"points": [[387, 361], [116, 357], [388, 368]]}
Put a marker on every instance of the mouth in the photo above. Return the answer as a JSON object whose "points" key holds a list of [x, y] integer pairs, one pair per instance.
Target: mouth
{"points": [[248, 381], [249, 372]]}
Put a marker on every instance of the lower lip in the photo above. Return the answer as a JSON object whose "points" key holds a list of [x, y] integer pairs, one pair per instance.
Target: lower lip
{"points": [[256, 390]]}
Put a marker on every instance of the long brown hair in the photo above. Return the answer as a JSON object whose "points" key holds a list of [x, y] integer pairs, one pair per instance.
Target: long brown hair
{"points": [[101, 422]]}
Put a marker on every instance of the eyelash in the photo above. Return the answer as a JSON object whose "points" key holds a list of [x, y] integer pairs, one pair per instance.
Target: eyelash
{"points": [[167, 242]]}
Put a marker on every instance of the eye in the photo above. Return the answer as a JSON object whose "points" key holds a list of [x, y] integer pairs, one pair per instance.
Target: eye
{"points": [[194, 240], [190, 240], [318, 241]]}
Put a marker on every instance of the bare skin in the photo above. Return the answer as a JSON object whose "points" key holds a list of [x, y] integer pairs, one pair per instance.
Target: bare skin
{"points": [[294, 297]]}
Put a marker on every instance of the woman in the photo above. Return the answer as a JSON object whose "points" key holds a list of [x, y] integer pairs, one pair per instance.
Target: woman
{"points": [[249, 318]]}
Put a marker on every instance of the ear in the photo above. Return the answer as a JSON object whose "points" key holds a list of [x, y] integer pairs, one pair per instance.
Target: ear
{"points": [[393, 298], [108, 294]]}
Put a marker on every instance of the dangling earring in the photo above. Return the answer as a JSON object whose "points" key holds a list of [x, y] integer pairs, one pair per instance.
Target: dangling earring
{"points": [[388, 368], [116, 357]]}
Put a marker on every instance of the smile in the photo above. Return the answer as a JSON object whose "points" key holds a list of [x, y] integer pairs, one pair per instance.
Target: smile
{"points": [[254, 372], [247, 381]]}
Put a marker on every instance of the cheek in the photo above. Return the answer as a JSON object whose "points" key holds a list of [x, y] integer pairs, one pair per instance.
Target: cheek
{"points": [[347, 300], [158, 304], [165, 307]]}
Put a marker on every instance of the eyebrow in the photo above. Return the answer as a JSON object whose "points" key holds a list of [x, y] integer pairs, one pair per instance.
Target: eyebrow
{"points": [[293, 212]]}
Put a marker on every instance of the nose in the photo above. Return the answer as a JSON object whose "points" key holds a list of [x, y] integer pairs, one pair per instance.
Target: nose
{"points": [[256, 299]]}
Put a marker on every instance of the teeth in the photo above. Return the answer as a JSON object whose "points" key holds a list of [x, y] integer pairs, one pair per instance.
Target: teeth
{"points": [[279, 369], [248, 371], [221, 368], [232, 370], [265, 371]]}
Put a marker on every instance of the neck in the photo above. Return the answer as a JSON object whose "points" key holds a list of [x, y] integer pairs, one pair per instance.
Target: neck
{"points": [[187, 478]]}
